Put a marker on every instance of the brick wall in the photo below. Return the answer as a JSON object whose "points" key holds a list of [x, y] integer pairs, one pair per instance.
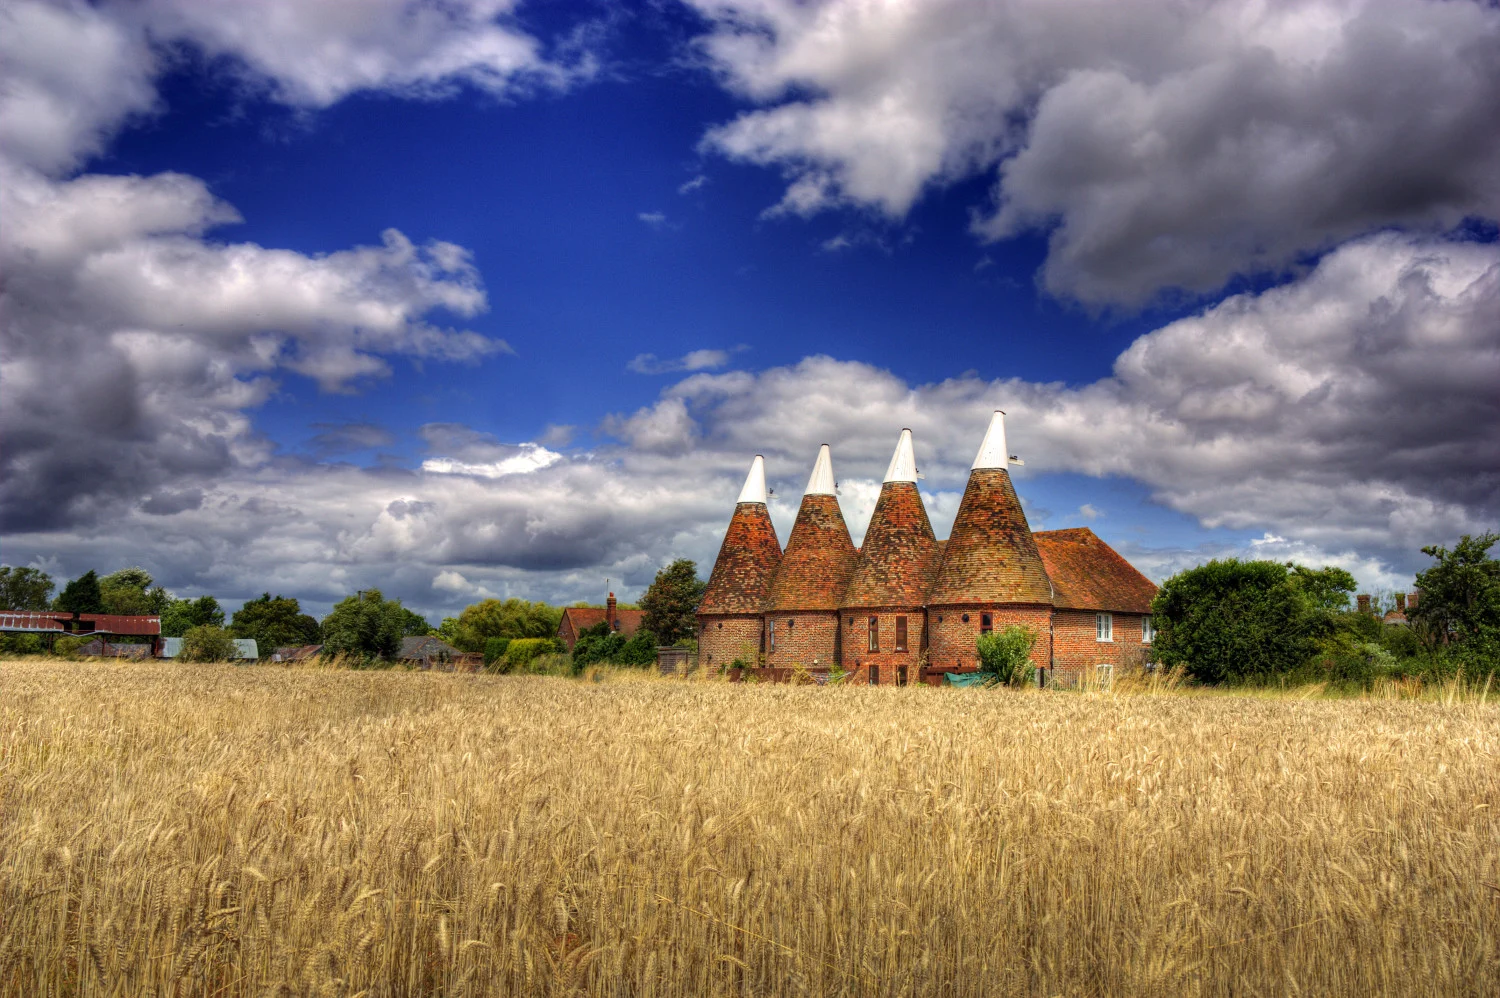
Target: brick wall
{"points": [[722, 638], [953, 638], [856, 643], [807, 638], [1076, 647]]}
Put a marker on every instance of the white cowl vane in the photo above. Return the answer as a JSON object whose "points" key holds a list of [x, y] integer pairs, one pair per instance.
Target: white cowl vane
{"points": [[755, 482], [821, 482], [904, 462], [994, 452]]}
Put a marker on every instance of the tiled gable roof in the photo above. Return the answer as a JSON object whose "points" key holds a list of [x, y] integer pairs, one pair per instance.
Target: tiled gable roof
{"points": [[747, 560], [584, 617], [1088, 574], [899, 558], [991, 557], [818, 561]]}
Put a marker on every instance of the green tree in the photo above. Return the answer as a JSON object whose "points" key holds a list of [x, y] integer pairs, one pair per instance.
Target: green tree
{"points": [[597, 644], [182, 615], [207, 643], [1327, 588], [274, 622], [24, 588], [1459, 606], [367, 625], [493, 618], [670, 601], [82, 595], [1235, 621], [640, 650], [413, 624], [128, 591], [1007, 656]]}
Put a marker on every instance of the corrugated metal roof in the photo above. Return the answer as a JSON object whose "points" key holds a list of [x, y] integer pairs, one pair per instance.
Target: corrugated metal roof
{"points": [[11, 620]]}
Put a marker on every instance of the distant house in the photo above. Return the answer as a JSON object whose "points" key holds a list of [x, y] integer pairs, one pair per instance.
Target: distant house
{"points": [[243, 648], [428, 652], [577, 619], [296, 653]]}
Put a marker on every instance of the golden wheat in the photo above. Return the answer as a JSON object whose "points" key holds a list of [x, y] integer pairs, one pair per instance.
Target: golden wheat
{"points": [[223, 831]]}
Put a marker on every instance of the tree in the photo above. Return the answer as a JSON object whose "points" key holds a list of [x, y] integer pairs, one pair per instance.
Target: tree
{"points": [[367, 625], [670, 601], [413, 624], [640, 650], [82, 595], [181, 615], [493, 618], [1233, 620], [1328, 588], [207, 643], [24, 588], [274, 622], [129, 591], [596, 644], [1459, 606], [1007, 656]]}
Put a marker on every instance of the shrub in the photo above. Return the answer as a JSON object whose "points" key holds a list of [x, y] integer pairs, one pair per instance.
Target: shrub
{"points": [[1007, 656], [67, 647], [206, 643], [520, 651], [494, 649], [597, 644], [640, 650]]}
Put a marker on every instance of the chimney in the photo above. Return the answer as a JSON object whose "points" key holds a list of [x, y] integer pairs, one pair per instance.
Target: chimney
{"points": [[609, 612], [1411, 600], [1400, 602], [1363, 601]]}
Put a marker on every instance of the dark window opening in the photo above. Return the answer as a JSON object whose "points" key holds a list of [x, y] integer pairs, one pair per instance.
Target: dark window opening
{"points": [[986, 623], [874, 675], [874, 634], [901, 675], [901, 634]]}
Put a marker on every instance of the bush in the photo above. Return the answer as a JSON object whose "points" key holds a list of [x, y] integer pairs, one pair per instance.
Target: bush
{"points": [[67, 647], [206, 643], [494, 649], [1007, 656], [640, 650], [520, 651]]}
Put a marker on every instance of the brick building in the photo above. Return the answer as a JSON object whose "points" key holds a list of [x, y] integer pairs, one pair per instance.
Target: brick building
{"points": [[577, 619], [906, 606]]}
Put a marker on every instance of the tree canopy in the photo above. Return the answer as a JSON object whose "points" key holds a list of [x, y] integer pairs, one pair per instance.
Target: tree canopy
{"points": [[82, 595], [1233, 620], [182, 615], [24, 588], [492, 618], [274, 622], [670, 601], [1459, 606], [367, 625]]}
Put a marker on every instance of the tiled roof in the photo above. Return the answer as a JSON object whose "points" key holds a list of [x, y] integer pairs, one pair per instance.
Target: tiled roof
{"points": [[899, 558], [747, 560], [991, 556], [818, 561], [584, 617], [1088, 574]]}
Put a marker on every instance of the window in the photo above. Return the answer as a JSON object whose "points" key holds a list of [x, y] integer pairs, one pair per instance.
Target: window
{"points": [[771, 630], [986, 623], [1106, 676], [901, 634], [901, 675], [1104, 627], [1148, 630], [874, 633], [874, 675]]}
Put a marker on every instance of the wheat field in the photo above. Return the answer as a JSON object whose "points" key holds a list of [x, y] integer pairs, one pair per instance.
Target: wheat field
{"points": [[182, 830]]}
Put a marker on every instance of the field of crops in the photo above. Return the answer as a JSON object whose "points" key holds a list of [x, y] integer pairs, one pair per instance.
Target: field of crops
{"points": [[233, 831]]}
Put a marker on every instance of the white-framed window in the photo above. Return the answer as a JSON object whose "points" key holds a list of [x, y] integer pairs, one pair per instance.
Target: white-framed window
{"points": [[1148, 630], [771, 631], [1104, 627]]}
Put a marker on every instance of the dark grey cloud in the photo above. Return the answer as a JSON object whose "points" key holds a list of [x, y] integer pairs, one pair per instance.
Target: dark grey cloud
{"points": [[346, 438], [1162, 144]]}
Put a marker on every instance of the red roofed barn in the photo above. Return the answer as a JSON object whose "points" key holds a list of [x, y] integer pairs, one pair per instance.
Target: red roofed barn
{"points": [[907, 606]]}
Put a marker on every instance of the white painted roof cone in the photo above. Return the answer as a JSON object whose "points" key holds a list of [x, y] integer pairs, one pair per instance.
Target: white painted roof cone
{"points": [[904, 462], [994, 452], [755, 482], [821, 483]]}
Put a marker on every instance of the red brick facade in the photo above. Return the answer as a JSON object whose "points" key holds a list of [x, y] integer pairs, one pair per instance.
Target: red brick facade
{"points": [[809, 638], [890, 657], [954, 639], [1078, 652], [723, 638]]}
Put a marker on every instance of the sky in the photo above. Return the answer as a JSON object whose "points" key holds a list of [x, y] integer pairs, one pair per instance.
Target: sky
{"points": [[492, 298]]}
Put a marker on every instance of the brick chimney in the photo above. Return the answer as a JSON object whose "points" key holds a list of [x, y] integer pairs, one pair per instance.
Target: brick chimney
{"points": [[609, 613], [1411, 600], [1400, 602], [1363, 602]]}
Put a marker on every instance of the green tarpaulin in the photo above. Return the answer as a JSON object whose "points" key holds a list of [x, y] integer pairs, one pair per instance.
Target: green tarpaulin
{"points": [[968, 678]]}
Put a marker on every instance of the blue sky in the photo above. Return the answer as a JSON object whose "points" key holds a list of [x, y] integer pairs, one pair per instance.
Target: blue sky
{"points": [[1232, 277]]}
